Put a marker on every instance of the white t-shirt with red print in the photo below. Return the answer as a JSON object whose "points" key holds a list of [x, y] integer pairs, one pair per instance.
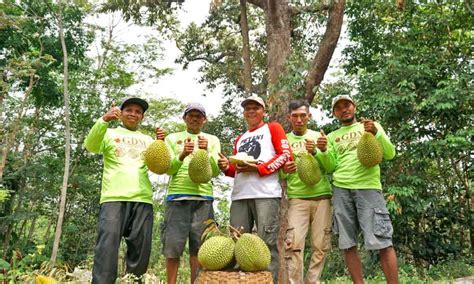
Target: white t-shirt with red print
{"points": [[269, 146]]}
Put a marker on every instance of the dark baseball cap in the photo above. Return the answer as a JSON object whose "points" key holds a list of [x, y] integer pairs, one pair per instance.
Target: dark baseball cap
{"points": [[195, 106], [134, 100]]}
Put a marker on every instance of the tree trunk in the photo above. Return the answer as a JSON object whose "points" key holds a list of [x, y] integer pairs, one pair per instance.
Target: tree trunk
{"points": [[277, 19], [400, 4], [247, 73], [21, 230], [278, 28], [464, 201], [326, 49], [6, 241], [11, 137], [62, 203], [48, 229], [32, 229], [7, 227]]}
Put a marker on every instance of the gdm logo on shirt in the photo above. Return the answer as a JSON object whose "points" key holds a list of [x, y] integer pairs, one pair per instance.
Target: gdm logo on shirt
{"points": [[129, 147]]}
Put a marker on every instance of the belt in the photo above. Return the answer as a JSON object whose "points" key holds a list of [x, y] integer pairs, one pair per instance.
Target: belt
{"points": [[322, 197]]}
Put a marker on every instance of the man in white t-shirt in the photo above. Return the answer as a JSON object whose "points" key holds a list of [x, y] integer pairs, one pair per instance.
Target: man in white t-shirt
{"points": [[257, 192]]}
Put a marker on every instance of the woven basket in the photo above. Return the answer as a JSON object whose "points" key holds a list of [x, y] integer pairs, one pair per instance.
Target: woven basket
{"points": [[231, 277]]}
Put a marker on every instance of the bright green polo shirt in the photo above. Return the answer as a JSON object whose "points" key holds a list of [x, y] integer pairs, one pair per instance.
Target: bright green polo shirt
{"points": [[125, 175], [296, 188], [349, 172], [180, 183]]}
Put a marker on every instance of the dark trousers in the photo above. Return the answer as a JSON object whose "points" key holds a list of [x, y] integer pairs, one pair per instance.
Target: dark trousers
{"points": [[184, 220], [134, 222], [265, 214]]}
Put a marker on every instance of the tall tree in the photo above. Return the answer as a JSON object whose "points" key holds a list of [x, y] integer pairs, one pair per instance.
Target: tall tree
{"points": [[37, 155], [217, 42], [29, 53], [247, 73], [290, 33], [67, 136]]}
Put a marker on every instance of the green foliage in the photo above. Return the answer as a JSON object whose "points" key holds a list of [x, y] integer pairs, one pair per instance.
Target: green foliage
{"points": [[165, 113], [21, 267], [3, 195], [217, 43], [414, 75], [153, 12], [408, 270], [410, 69], [31, 49], [222, 202], [227, 125], [30, 42], [451, 269]]}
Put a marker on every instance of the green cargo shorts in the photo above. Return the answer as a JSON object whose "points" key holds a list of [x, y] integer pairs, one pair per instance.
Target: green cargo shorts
{"points": [[361, 210]]}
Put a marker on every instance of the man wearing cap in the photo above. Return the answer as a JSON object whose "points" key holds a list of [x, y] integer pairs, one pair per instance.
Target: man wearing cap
{"points": [[188, 204], [309, 207], [357, 192], [126, 197], [256, 193]]}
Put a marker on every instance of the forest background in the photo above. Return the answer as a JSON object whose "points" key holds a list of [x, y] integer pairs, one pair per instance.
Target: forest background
{"points": [[409, 65]]}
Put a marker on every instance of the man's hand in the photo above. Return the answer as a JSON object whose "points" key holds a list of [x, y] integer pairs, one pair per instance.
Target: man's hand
{"points": [[322, 142], [246, 167], [223, 163], [310, 146], [112, 114], [289, 167], [188, 149], [160, 133], [202, 142], [369, 125]]}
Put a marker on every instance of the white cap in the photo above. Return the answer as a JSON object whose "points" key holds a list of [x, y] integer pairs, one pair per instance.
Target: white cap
{"points": [[195, 106], [336, 99], [253, 98]]}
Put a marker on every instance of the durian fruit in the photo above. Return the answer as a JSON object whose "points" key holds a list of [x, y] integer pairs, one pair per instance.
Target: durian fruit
{"points": [[242, 158], [308, 169], [216, 253], [369, 150], [41, 279], [157, 157], [199, 168], [251, 253]]}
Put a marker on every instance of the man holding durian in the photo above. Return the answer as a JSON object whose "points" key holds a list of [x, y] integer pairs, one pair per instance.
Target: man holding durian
{"points": [[359, 205]]}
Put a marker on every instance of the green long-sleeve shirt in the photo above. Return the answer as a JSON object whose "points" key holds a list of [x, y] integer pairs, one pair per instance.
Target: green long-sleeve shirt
{"points": [[181, 184], [125, 175], [296, 188], [349, 172]]}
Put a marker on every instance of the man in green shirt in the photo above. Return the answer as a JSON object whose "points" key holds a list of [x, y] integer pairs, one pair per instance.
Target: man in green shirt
{"points": [[309, 206], [357, 192], [126, 197], [188, 204]]}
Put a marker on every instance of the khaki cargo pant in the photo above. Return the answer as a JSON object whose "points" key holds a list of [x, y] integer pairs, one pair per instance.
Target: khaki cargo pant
{"points": [[315, 216]]}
